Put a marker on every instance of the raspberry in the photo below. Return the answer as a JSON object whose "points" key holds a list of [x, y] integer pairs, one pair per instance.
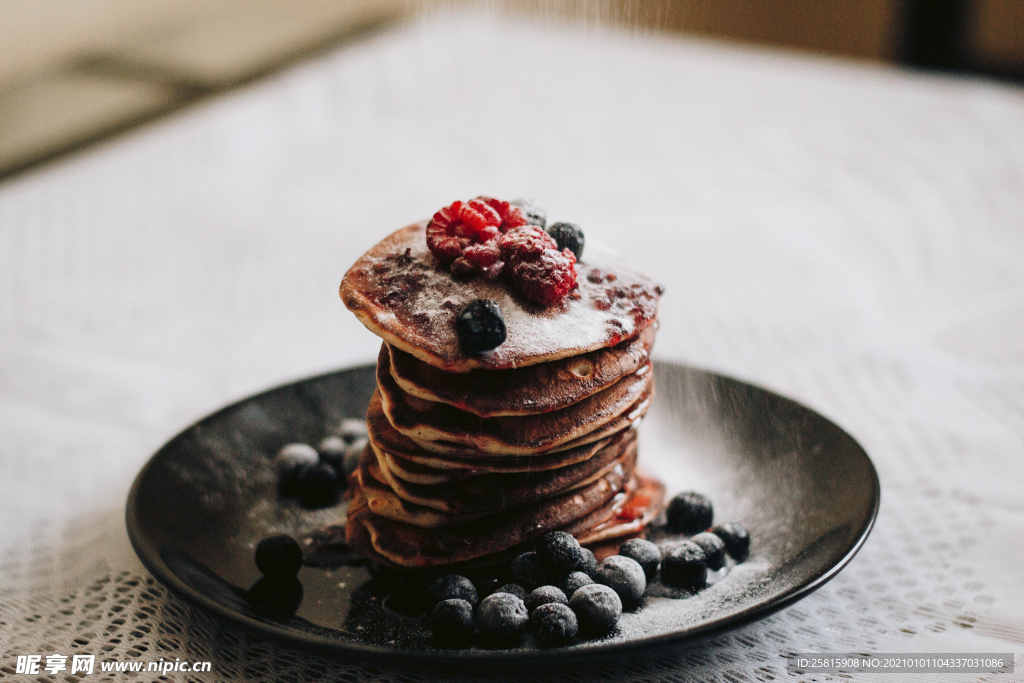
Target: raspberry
{"points": [[539, 271], [465, 234]]}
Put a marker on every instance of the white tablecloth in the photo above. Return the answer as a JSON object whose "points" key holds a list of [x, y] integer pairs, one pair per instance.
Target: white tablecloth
{"points": [[850, 236]]}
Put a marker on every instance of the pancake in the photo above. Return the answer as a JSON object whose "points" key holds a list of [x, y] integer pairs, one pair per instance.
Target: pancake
{"points": [[461, 461], [492, 492], [369, 534], [411, 546], [416, 473], [402, 294], [427, 423], [539, 388]]}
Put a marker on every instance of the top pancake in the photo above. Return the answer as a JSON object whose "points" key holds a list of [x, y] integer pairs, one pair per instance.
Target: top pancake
{"points": [[401, 293]]}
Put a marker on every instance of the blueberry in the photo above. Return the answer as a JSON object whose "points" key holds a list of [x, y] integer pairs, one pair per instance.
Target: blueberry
{"points": [[558, 553], [279, 556], [534, 215], [597, 609], [543, 596], [480, 326], [690, 513], [568, 236], [352, 430], [685, 565], [501, 618], [588, 562], [625, 576], [526, 571], [713, 547], [486, 585], [736, 539], [554, 624], [645, 553], [451, 622], [289, 462], [332, 452], [573, 582], [275, 598], [450, 587], [512, 589], [318, 485]]}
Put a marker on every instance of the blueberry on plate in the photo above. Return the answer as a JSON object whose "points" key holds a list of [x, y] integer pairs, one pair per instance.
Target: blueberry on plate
{"points": [[573, 581], [568, 236], [352, 429], [685, 565], [451, 622], [501, 618], [554, 624], [332, 452], [558, 553], [533, 214], [544, 595], [588, 562], [527, 572], [279, 556], [450, 587], [647, 555], [512, 589], [289, 462], [713, 547], [690, 513], [275, 598], [597, 609], [318, 485], [736, 539], [480, 326], [625, 576]]}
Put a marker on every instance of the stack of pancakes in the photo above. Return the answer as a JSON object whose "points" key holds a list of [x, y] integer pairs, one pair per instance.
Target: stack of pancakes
{"points": [[472, 456]]}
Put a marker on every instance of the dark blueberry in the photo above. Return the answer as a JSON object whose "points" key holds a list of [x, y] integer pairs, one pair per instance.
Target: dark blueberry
{"points": [[573, 582], [512, 589], [625, 576], [486, 585], [645, 553], [534, 215], [501, 618], [690, 513], [526, 571], [289, 462], [279, 556], [685, 565], [588, 562], [332, 452], [568, 236], [318, 485], [713, 547], [558, 553], [450, 587], [352, 430], [736, 539], [554, 624], [544, 595], [451, 622], [275, 598], [480, 326], [597, 609]]}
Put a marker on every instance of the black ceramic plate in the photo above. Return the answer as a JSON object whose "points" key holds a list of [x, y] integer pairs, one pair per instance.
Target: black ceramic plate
{"points": [[805, 489]]}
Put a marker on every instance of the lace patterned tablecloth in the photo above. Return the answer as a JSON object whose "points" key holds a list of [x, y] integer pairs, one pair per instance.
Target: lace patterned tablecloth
{"points": [[848, 235]]}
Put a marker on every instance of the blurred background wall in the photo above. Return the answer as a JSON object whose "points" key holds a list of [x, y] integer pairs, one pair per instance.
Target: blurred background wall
{"points": [[73, 72]]}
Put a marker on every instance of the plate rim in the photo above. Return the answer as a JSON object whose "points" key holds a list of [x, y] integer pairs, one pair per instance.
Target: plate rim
{"points": [[154, 563]]}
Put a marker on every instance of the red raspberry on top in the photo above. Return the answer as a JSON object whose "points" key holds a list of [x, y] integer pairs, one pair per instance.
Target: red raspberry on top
{"points": [[539, 271], [466, 234]]}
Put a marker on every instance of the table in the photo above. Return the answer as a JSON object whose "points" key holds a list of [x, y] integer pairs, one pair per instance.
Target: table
{"points": [[849, 235]]}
